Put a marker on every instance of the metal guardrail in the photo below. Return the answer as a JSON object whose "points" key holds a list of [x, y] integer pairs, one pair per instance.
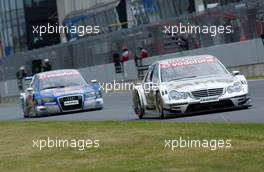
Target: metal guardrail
{"points": [[141, 71], [246, 56]]}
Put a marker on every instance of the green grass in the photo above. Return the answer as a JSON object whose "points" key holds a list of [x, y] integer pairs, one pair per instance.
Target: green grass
{"points": [[130, 146], [255, 78]]}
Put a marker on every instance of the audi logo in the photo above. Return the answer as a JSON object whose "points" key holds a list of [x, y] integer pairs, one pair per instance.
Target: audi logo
{"points": [[69, 98]]}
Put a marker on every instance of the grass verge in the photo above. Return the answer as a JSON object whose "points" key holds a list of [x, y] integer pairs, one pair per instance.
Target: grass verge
{"points": [[130, 146], [255, 78]]}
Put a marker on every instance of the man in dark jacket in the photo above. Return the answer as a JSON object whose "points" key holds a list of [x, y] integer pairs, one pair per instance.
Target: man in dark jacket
{"points": [[47, 66]]}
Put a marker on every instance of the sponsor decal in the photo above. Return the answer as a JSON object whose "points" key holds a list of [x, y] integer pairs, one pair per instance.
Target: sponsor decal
{"points": [[71, 102], [186, 62], [209, 99], [58, 74], [64, 92]]}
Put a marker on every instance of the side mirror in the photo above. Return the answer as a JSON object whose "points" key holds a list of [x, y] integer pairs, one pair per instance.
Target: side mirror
{"points": [[28, 78], [29, 89], [22, 95], [94, 81], [235, 72]]}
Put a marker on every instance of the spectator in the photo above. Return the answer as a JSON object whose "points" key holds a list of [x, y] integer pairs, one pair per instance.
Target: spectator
{"points": [[23, 72], [125, 55], [19, 82], [143, 53], [116, 58], [262, 38], [20, 75], [46, 66]]}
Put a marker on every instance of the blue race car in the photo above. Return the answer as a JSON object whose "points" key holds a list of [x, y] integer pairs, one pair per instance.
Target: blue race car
{"points": [[60, 91]]}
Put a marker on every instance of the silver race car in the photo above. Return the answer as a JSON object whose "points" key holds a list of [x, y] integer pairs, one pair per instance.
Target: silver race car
{"points": [[60, 91], [189, 85]]}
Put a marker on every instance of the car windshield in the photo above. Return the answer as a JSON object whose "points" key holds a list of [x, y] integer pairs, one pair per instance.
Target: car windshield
{"points": [[61, 82], [183, 69]]}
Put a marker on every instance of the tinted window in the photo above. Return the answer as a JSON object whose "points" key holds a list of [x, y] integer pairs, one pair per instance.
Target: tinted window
{"points": [[61, 82]]}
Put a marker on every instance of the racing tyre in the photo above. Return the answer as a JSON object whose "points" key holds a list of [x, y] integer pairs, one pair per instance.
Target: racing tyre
{"points": [[138, 108], [25, 110], [159, 106], [34, 111], [25, 114]]}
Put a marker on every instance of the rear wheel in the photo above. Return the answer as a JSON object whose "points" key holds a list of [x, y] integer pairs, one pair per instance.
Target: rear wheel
{"points": [[138, 107], [159, 106]]}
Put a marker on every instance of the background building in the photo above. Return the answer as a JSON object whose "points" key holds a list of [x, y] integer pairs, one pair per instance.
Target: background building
{"points": [[40, 13], [113, 15], [16, 20], [130, 23], [13, 35], [104, 13]]}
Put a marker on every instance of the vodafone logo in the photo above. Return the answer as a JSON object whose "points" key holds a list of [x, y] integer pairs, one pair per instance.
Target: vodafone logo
{"points": [[185, 62]]}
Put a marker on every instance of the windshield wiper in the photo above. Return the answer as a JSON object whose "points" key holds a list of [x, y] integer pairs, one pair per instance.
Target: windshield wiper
{"points": [[48, 88], [179, 78]]}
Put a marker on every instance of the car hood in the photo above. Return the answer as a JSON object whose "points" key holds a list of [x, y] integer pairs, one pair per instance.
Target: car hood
{"points": [[57, 92], [201, 83]]}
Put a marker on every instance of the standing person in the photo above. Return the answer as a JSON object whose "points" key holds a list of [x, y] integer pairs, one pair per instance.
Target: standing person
{"points": [[262, 38], [19, 82], [46, 66], [23, 72], [20, 75], [116, 59], [124, 57], [143, 53]]}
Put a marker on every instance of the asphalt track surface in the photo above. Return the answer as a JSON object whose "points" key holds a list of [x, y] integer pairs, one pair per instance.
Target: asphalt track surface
{"points": [[118, 107]]}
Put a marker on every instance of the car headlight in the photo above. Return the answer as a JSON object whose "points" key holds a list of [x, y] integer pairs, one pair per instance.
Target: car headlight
{"points": [[90, 95], [48, 100], [178, 95], [98, 94], [235, 88]]}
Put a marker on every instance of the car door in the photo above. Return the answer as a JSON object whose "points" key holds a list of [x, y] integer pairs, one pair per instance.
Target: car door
{"points": [[148, 84], [155, 85], [154, 78]]}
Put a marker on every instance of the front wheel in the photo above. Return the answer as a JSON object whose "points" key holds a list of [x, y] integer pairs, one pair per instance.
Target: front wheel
{"points": [[24, 109], [159, 106], [138, 108], [25, 112], [34, 111]]}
